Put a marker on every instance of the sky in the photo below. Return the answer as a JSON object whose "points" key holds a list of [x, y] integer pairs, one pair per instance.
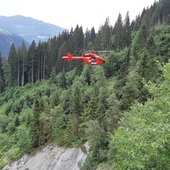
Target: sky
{"points": [[69, 13]]}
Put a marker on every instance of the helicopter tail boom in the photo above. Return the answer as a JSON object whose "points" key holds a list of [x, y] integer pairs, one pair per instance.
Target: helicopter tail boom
{"points": [[68, 57]]}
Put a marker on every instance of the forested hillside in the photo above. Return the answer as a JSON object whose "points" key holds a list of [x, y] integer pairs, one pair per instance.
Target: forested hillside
{"points": [[121, 108]]}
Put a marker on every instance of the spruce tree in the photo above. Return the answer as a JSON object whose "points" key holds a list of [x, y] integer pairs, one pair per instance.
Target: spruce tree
{"points": [[127, 28], [31, 63], [106, 35], [140, 42], [87, 39], [19, 66], [98, 41], [36, 126], [103, 38], [78, 39], [118, 32], [77, 108], [93, 35], [12, 61], [23, 59]]}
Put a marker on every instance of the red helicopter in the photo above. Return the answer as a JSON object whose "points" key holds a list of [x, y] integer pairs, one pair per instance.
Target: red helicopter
{"points": [[90, 58]]}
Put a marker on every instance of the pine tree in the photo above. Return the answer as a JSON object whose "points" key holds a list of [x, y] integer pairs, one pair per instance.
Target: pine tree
{"points": [[77, 108], [86, 74], [140, 42], [19, 66], [127, 28], [36, 127], [31, 63], [89, 112], [103, 38], [87, 39], [106, 35], [78, 39], [12, 60], [93, 35], [98, 41], [118, 32], [23, 58]]}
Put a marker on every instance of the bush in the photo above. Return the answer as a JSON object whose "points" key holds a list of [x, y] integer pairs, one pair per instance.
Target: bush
{"points": [[14, 153], [2, 164]]}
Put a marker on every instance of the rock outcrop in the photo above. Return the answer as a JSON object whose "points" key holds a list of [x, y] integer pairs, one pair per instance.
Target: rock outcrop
{"points": [[50, 157]]}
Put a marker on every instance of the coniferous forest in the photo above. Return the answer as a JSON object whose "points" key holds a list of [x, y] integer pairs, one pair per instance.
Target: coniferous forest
{"points": [[122, 107]]}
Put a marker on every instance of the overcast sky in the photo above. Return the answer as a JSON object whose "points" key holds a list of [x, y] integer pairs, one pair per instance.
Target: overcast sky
{"points": [[69, 13]]}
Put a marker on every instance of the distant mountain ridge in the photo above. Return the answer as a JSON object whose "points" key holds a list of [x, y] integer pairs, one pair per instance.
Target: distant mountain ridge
{"points": [[28, 28], [6, 39]]}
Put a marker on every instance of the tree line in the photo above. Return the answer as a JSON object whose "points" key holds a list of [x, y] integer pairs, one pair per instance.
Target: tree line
{"points": [[41, 60]]}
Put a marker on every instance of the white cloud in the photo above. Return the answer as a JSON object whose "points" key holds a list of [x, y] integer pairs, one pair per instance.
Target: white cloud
{"points": [[69, 13]]}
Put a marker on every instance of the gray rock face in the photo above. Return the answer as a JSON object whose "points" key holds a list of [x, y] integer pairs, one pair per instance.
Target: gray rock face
{"points": [[50, 158]]}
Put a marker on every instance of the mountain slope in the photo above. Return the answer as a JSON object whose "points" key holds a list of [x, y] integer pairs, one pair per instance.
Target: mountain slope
{"points": [[6, 39], [28, 28]]}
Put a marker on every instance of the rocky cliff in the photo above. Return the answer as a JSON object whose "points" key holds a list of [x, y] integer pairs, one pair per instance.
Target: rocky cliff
{"points": [[51, 157]]}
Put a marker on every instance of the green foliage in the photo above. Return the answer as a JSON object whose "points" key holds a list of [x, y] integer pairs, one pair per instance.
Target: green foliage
{"points": [[64, 131], [114, 62], [12, 60], [161, 37], [36, 127], [90, 163], [23, 139], [118, 37], [139, 42], [60, 126], [97, 136], [26, 115], [103, 38], [14, 153], [2, 164], [80, 102], [98, 142], [142, 140]]}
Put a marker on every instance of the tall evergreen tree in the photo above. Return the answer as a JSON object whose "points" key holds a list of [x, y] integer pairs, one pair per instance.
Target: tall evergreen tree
{"points": [[140, 42], [127, 28], [23, 58], [118, 32], [21, 62], [77, 108], [78, 39], [103, 38], [35, 130], [93, 35], [31, 62], [106, 35], [18, 66], [87, 39], [98, 41], [12, 60]]}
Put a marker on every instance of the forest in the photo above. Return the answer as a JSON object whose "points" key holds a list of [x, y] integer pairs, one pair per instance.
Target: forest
{"points": [[121, 107]]}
